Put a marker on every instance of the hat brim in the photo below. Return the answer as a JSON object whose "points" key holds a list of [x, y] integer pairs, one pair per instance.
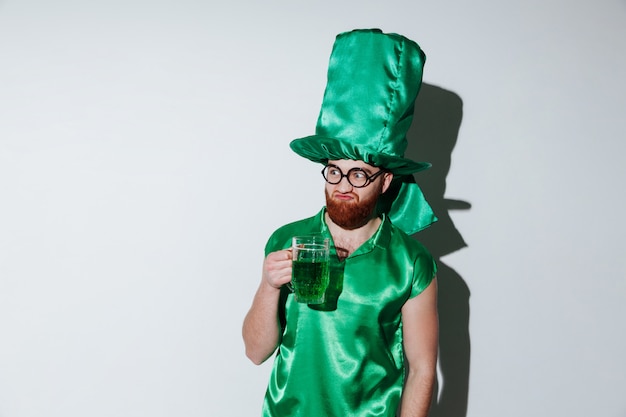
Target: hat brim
{"points": [[321, 149]]}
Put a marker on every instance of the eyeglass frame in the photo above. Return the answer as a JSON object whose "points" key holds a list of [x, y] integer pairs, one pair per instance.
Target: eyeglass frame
{"points": [[368, 178]]}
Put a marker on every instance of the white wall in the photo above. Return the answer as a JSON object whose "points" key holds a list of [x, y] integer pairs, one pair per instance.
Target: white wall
{"points": [[144, 160]]}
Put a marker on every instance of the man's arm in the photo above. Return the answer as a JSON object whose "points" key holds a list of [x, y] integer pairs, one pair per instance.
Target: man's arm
{"points": [[261, 327], [420, 328]]}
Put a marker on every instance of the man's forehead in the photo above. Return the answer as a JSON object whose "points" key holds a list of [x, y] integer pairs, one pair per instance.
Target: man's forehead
{"points": [[350, 163]]}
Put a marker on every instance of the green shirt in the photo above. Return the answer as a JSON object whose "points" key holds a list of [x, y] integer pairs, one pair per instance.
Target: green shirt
{"points": [[345, 357]]}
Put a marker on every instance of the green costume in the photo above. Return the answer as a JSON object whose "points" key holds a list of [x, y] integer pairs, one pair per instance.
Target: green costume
{"points": [[345, 357]]}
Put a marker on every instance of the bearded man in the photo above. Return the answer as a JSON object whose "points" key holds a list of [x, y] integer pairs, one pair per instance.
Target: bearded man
{"points": [[371, 348]]}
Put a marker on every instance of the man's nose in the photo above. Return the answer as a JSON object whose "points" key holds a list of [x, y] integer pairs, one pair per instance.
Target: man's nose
{"points": [[344, 185]]}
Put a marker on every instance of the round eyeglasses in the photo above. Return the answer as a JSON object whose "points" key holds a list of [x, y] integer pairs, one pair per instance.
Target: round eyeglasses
{"points": [[357, 177]]}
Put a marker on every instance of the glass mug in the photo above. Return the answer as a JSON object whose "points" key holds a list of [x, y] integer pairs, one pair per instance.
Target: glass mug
{"points": [[310, 268]]}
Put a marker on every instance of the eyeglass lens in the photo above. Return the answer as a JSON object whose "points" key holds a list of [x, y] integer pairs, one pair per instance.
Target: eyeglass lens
{"points": [[356, 176]]}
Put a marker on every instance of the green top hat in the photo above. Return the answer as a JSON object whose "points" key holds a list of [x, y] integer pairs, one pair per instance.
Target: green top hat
{"points": [[373, 80]]}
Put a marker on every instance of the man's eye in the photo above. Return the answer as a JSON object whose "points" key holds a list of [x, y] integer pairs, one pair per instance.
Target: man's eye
{"points": [[334, 172], [359, 175]]}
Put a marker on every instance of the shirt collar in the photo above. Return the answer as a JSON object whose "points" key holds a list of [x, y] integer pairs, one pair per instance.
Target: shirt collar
{"points": [[379, 239]]}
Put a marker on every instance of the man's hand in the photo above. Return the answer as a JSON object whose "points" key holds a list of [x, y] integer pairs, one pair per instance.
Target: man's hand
{"points": [[277, 268]]}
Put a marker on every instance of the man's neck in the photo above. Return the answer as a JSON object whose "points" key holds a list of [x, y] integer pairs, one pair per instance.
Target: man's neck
{"points": [[348, 240]]}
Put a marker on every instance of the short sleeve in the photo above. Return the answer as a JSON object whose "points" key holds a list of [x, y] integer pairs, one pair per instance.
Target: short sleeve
{"points": [[274, 243], [424, 270]]}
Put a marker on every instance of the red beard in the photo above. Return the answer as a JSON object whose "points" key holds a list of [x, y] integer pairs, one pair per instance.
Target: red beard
{"points": [[351, 214]]}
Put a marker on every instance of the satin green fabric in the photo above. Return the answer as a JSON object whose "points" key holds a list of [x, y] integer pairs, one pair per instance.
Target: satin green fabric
{"points": [[406, 205], [345, 357]]}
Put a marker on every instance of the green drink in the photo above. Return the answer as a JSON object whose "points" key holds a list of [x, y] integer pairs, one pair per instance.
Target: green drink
{"points": [[310, 268], [310, 280]]}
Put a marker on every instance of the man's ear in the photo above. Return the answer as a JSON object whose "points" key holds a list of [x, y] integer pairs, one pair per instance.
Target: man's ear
{"points": [[387, 178]]}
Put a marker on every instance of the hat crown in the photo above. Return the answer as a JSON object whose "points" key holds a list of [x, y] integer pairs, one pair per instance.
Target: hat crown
{"points": [[373, 80]]}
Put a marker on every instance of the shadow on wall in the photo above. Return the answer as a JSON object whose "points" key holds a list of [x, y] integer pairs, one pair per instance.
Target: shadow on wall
{"points": [[432, 138]]}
